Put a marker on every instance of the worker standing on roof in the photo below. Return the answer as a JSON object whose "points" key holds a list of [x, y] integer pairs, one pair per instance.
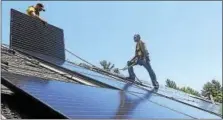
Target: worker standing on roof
{"points": [[34, 11], [142, 58]]}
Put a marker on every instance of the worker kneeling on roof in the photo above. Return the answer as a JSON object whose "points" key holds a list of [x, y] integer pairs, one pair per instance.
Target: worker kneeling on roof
{"points": [[142, 58], [34, 11]]}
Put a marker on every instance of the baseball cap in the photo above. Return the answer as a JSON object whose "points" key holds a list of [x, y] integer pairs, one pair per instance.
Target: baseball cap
{"points": [[41, 5]]}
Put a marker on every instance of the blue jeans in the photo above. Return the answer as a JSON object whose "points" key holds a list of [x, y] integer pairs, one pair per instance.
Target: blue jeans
{"points": [[148, 67]]}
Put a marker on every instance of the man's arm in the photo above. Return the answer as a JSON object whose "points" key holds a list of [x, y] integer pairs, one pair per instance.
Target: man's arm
{"points": [[133, 58], [133, 61], [34, 15]]}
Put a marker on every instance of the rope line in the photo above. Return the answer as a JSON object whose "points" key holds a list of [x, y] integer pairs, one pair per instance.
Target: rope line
{"points": [[176, 99]]}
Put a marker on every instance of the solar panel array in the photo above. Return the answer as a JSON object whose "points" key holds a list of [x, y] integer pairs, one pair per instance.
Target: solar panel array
{"points": [[79, 101], [195, 104], [47, 45], [31, 34]]}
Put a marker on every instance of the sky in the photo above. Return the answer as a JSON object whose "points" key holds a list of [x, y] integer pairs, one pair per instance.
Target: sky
{"points": [[184, 38]]}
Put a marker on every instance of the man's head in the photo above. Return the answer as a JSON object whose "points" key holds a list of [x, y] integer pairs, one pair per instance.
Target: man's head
{"points": [[40, 7], [136, 37]]}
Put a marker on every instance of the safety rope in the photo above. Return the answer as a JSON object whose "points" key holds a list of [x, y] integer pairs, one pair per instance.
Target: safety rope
{"points": [[121, 69], [80, 58], [21, 68], [93, 66], [79, 72], [173, 98], [86, 72]]}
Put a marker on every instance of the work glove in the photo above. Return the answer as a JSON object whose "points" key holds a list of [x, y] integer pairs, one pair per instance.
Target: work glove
{"points": [[134, 60], [129, 64]]}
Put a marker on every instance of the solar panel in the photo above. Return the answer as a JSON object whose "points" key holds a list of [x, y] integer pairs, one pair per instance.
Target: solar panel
{"points": [[45, 41], [179, 96], [79, 101], [205, 104], [31, 34], [183, 97], [189, 99], [82, 71]]}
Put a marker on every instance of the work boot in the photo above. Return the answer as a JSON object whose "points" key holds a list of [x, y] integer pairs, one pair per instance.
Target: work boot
{"points": [[156, 84]]}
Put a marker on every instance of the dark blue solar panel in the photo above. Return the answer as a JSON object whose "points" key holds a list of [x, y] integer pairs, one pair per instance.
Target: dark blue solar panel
{"points": [[180, 96], [79, 101], [29, 33], [91, 74], [187, 98]]}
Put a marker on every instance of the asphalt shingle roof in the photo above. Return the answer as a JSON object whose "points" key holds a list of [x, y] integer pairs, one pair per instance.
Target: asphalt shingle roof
{"points": [[18, 65]]}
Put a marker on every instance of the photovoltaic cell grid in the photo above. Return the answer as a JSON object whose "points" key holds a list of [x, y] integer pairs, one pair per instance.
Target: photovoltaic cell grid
{"points": [[120, 85], [31, 34], [49, 41], [190, 99], [79, 101], [22, 39]]}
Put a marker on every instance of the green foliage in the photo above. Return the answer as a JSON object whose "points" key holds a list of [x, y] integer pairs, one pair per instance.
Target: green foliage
{"points": [[190, 91], [171, 84], [216, 84], [107, 65], [213, 88], [116, 70]]}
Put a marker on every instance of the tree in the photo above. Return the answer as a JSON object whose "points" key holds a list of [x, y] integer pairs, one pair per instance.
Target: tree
{"points": [[107, 65], [116, 70], [213, 88], [190, 91], [216, 84], [171, 84]]}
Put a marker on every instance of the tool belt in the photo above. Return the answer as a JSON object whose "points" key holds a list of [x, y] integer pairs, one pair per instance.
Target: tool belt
{"points": [[146, 58], [135, 60]]}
